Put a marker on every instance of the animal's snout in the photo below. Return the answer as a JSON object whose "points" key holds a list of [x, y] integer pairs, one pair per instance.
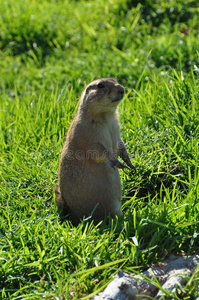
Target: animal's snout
{"points": [[120, 90]]}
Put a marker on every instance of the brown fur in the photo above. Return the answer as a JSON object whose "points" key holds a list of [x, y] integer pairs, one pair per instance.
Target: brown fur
{"points": [[89, 181]]}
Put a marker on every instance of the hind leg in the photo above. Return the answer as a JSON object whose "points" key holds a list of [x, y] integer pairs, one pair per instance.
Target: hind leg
{"points": [[116, 209]]}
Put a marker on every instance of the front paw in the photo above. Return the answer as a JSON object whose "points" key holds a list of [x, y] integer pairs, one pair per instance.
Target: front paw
{"points": [[118, 164], [112, 164], [132, 167]]}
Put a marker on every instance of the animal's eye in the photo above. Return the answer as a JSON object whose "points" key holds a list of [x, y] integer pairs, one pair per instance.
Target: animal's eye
{"points": [[100, 85]]}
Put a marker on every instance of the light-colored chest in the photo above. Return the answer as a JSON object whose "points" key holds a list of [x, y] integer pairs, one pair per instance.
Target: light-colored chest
{"points": [[109, 134]]}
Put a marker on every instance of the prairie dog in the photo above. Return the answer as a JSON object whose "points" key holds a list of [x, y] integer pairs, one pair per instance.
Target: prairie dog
{"points": [[89, 181]]}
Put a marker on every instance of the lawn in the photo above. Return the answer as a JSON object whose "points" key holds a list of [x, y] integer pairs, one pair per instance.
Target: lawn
{"points": [[49, 51]]}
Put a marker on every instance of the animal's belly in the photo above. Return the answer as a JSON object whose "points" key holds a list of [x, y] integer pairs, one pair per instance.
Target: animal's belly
{"points": [[95, 185]]}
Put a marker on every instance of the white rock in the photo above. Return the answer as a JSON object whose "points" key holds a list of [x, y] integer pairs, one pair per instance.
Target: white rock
{"points": [[121, 288], [170, 274]]}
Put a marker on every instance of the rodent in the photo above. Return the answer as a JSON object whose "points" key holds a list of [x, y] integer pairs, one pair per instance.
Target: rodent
{"points": [[89, 181]]}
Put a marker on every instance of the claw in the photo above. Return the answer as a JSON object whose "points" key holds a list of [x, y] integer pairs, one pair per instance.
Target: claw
{"points": [[133, 168]]}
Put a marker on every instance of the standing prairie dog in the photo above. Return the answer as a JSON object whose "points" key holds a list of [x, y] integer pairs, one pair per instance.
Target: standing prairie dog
{"points": [[89, 181]]}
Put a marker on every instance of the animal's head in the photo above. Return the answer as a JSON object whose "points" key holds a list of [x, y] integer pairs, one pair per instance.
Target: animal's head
{"points": [[102, 96]]}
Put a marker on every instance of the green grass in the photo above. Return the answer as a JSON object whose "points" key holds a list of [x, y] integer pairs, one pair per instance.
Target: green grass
{"points": [[49, 51]]}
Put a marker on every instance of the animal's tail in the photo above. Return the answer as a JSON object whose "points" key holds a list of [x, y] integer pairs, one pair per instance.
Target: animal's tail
{"points": [[62, 206]]}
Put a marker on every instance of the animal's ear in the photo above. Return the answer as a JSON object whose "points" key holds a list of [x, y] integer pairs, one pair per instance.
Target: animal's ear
{"points": [[101, 85]]}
